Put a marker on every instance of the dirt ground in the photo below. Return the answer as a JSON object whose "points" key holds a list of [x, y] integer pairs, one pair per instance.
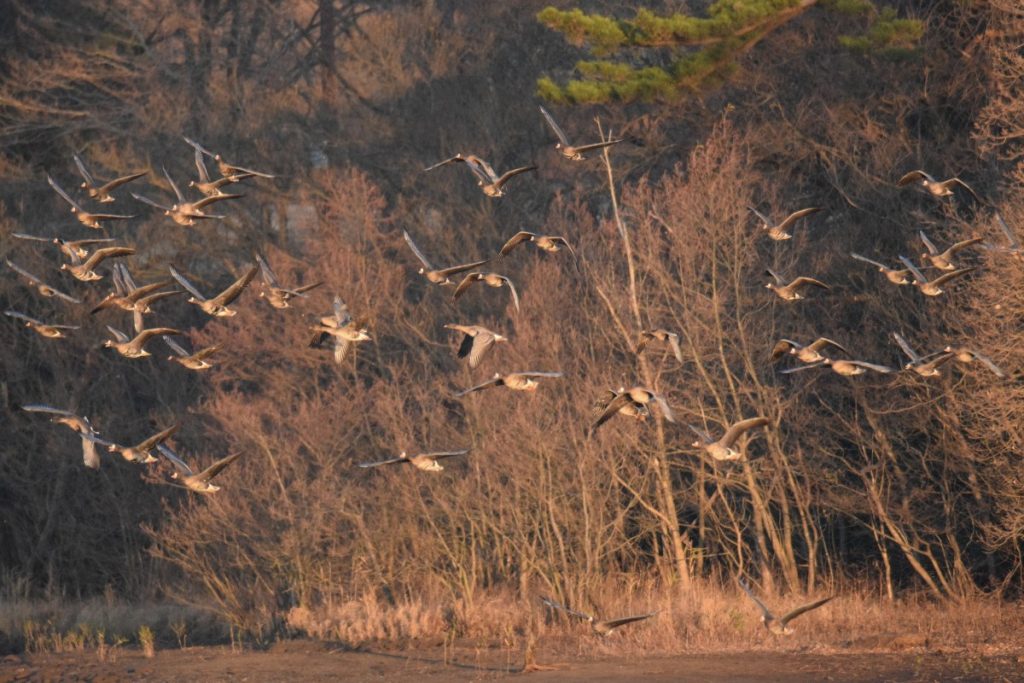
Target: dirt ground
{"points": [[317, 662]]}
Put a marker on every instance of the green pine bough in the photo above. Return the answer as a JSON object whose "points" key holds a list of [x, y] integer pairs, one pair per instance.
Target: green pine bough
{"points": [[693, 52]]}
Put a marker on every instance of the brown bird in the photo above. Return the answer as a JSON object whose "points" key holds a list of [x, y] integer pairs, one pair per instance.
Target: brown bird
{"points": [[636, 411], [476, 341], [40, 286], [127, 294], [791, 292], [778, 231], [932, 287], [490, 182], [218, 305], [439, 276], [198, 482], [91, 220], [926, 367], [78, 424], [192, 361], [518, 381], [428, 462], [276, 295], [48, 330], [723, 448], [134, 347], [567, 150], [662, 335], [225, 168], [101, 193], [637, 396], [896, 276], [141, 452], [211, 188], [944, 260], [807, 354], [780, 625], [85, 270], [602, 627], [71, 248], [549, 243], [937, 188], [491, 279], [341, 328]]}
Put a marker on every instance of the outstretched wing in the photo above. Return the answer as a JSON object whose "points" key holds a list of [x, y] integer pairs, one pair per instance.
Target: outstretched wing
{"points": [[146, 200], [178, 463], [449, 160], [884, 369], [174, 186], [949, 276], [793, 614], [494, 381], [466, 283], [555, 127], [913, 176], [596, 145], [867, 260], [554, 605], [964, 244], [803, 280], [186, 284], [515, 294], [907, 348], [62, 193], [150, 443], [516, 240], [176, 347], [797, 215], [927, 243], [22, 316], [416, 250], [663, 406], [764, 219], [232, 292], [768, 616], [217, 467], [921, 279], [738, 428], [204, 175], [478, 347], [379, 463], [610, 408], [508, 175], [83, 170], [622, 621], [1014, 243], [268, 274], [118, 182], [455, 270]]}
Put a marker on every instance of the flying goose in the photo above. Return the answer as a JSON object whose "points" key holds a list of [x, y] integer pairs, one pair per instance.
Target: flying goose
{"points": [[518, 381], [276, 295], [421, 461], [126, 293], [48, 330], [198, 482], [85, 270], [549, 243], [937, 188], [77, 423], [944, 260], [566, 149], [340, 327], [225, 168], [71, 248], [101, 193], [134, 348], [192, 361], [722, 449], [602, 627], [211, 188], [638, 411], [846, 368], [662, 335], [491, 279], [807, 354], [778, 231], [932, 287], [141, 452], [490, 182], [218, 305], [926, 367], [637, 396], [435, 275], [791, 291], [964, 354], [896, 276], [43, 288], [91, 220], [780, 625], [476, 341], [181, 217]]}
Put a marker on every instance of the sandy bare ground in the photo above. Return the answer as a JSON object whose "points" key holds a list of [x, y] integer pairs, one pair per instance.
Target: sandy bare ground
{"points": [[315, 662]]}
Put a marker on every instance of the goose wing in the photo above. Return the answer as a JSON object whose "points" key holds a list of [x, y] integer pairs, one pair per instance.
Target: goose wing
{"points": [[300, 291], [782, 347], [100, 255], [516, 240], [341, 346], [60, 190], [921, 279], [987, 362], [867, 260], [775, 276], [238, 170], [265, 271], [174, 186], [196, 146], [186, 284], [111, 216], [927, 243], [803, 281], [793, 614], [203, 354], [559, 133], [617, 401], [942, 279], [176, 347], [797, 215], [150, 443], [118, 182], [449, 160], [666, 411], [144, 336], [206, 201], [441, 455], [455, 270], [596, 145], [913, 176], [120, 336], [508, 175], [217, 467], [478, 347], [493, 382], [621, 621], [416, 250], [512, 289], [90, 458], [147, 200], [884, 369], [967, 187], [178, 463], [554, 605], [1014, 243], [42, 408], [204, 175], [768, 616], [764, 219], [83, 170], [821, 342], [232, 292], [907, 349], [738, 428], [673, 340], [34, 238], [21, 316], [379, 463], [466, 283], [964, 244], [704, 436], [341, 313]]}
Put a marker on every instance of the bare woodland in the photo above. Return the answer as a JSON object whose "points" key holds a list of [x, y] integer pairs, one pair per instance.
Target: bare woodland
{"points": [[899, 487]]}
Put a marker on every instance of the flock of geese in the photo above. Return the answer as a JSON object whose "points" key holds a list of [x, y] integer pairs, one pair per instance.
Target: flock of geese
{"points": [[340, 330]]}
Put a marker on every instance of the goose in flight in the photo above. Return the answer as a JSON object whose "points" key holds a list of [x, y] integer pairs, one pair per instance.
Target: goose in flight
{"points": [[428, 462], [211, 188], [192, 361], [600, 627], [518, 381], [127, 294], [71, 248], [548, 243], [638, 397], [438, 276], [944, 260], [791, 291], [490, 182], [932, 287], [340, 327], [806, 354], [490, 279], [780, 625], [225, 168], [662, 335], [195, 481], [86, 270], [926, 367], [964, 354], [135, 347], [900, 276], [78, 424], [101, 193], [476, 341], [937, 188], [48, 330], [779, 231], [40, 286], [723, 448], [90, 220], [568, 150], [141, 452], [218, 305], [638, 411], [276, 295]]}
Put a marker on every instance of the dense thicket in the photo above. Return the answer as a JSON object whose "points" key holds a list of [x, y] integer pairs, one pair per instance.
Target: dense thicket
{"points": [[902, 481]]}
